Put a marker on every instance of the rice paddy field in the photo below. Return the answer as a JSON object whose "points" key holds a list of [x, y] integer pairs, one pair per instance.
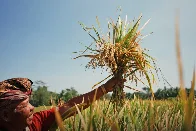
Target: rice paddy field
{"points": [[135, 115]]}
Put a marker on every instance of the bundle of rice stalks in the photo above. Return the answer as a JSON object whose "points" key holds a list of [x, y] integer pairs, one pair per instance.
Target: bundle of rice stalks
{"points": [[120, 53]]}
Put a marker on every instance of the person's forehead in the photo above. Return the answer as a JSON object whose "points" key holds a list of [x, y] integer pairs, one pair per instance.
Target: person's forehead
{"points": [[24, 101]]}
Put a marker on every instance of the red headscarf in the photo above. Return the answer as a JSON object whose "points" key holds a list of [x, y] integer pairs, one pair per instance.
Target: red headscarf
{"points": [[14, 90]]}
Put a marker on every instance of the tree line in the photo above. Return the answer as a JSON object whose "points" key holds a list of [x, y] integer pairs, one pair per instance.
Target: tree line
{"points": [[42, 96], [160, 94]]}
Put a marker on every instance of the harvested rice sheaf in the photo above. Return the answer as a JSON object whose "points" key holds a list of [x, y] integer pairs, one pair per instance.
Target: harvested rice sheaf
{"points": [[120, 53]]}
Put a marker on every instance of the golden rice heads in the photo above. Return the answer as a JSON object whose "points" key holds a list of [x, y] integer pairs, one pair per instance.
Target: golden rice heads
{"points": [[115, 57]]}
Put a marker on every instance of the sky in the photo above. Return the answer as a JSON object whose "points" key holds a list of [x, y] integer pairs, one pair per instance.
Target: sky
{"points": [[38, 38]]}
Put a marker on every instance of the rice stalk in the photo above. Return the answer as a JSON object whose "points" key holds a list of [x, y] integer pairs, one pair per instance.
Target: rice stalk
{"points": [[120, 54], [187, 102]]}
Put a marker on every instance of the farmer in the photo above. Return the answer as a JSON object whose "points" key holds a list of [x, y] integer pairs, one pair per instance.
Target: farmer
{"points": [[16, 113]]}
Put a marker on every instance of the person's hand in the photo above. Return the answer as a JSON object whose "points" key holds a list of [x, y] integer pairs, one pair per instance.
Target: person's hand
{"points": [[112, 82]]}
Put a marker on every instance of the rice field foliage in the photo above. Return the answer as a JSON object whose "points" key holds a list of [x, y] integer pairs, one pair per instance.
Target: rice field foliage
{"points": [[135, 115]]}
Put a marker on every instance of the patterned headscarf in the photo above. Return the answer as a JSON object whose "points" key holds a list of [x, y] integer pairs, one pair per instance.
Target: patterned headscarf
{"points": [[14, 90]]}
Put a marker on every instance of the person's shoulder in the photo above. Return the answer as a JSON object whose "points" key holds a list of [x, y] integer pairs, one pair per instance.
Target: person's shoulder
{"points": [[45, 111], [43, 114], [43, 120]]}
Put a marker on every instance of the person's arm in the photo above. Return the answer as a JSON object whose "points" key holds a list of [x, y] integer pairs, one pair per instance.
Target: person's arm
{"points": [[90, 96], [44, 119]]}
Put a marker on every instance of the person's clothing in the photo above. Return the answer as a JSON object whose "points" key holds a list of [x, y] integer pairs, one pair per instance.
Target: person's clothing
{"points": [[43, 120]]}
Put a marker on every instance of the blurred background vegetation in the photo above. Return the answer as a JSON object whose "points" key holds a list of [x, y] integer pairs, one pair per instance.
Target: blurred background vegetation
{"points": [[42, 96]]}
